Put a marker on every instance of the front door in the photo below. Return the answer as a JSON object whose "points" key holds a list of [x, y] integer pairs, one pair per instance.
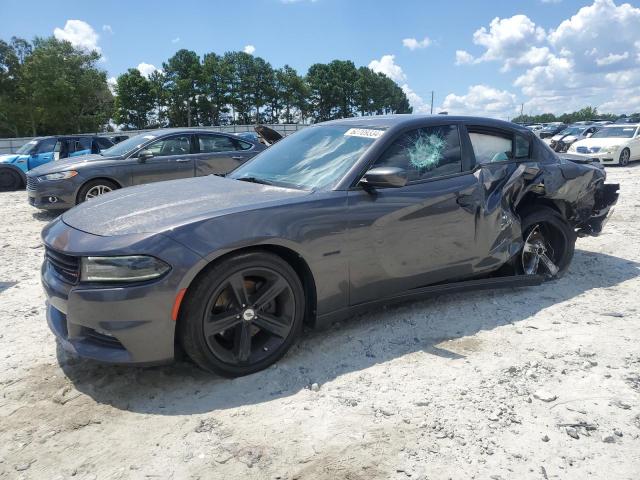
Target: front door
{"points": [[419, 234], [172, 158], [44, 153]]}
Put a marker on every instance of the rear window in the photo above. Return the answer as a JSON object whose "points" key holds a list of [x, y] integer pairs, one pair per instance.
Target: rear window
{"points": [[216, 144]]}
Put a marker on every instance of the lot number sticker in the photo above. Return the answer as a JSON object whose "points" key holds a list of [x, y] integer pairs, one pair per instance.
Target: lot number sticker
{"points": [[363, 132]]}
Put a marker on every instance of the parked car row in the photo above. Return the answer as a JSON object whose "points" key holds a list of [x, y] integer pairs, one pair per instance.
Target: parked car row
{"points": [[616, 144], [337, 218]]}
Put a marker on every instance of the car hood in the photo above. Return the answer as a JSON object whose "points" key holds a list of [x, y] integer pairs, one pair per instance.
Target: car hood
{"points": [[601, 142], [10, 158], [162, 206], [71, 163]]}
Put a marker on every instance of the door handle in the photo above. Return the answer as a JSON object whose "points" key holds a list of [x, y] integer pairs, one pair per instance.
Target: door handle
{"points": [[237, 157], [183, 160]]}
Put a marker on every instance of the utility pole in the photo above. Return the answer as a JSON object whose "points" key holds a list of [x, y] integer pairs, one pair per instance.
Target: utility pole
{"points": [[521, 110], [431, 102]]}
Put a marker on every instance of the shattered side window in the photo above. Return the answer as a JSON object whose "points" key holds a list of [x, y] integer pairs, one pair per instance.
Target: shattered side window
{"points": [[489, 148], [425, 153]]}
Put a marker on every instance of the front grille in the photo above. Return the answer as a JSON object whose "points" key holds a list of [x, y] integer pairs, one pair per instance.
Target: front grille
{"points": [[66, 267], [31, 182]]}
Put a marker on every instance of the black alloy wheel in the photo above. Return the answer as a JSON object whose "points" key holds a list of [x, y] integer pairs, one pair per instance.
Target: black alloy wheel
{"points": [[243, 314]]}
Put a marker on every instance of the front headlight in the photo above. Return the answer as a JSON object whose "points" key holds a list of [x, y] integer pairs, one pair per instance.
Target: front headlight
{"points": [[609, 149], [133, 268], [58, 175], [573, 147]]}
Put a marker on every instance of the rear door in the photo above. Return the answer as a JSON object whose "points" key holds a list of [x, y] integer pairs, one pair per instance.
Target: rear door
{"points": [[172, 158], [82, 146], [220, 154]]}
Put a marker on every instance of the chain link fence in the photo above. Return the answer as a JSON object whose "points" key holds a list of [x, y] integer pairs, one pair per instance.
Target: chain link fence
{"points": [[10, 145]]}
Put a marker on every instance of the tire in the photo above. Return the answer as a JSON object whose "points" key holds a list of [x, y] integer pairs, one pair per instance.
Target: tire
{"points": [[10, 180], [214, 328], [548, 237], [625, 157], [95, 188]]}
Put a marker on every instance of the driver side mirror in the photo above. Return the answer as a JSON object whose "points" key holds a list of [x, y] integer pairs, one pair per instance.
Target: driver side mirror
{"points": [[589, 135], [384, 177], [144, 155]]}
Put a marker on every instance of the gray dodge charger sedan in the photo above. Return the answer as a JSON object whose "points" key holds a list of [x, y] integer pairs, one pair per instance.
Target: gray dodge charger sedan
{"points": [[149, 157], [338, 217]]}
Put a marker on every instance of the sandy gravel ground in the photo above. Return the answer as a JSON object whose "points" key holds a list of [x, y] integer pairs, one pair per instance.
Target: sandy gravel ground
{"points": [[540, 383]]}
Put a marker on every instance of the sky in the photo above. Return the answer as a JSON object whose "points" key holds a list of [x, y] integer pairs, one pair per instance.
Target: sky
{"points": [[492, 58]]}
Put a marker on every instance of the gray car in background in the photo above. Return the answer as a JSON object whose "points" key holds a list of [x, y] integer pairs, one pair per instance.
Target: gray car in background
{"points": [[165, 154]]}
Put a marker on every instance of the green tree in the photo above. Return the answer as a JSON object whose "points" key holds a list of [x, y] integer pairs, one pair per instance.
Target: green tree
{"points": [[291, 91], [63, 90], [182, 74], [134, 102], [216, 79]]}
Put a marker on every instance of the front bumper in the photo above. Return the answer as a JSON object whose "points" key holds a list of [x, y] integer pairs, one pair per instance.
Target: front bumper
{"points": [[51, 195], [125, 323], [603, 158]]}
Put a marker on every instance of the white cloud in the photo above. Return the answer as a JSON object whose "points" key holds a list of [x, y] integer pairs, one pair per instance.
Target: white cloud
{"points": [[250, 49], [111, 83], [387, 65], [415, 100], [591, 58], [507, 38], [80, 34], [463, 57], [413, 44], [107, 28], [175, 40], [146, 69], [482, 100]]}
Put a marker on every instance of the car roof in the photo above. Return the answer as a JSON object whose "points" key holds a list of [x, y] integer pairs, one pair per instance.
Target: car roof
{"points": [[169, 131], [399, 120], [623, 125]]}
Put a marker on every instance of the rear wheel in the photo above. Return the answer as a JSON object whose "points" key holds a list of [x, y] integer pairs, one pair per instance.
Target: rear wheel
{"points": [[625, 156], [549, 244], [10, 180], [242, 315], [95, 188]]}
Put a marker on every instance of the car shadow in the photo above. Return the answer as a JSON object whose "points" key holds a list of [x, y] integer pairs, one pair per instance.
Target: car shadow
{"points": [[47, 215], [365, 340]]}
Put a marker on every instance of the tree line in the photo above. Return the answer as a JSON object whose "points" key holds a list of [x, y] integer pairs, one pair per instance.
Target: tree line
{"points": [[585, 114], [50, 87]]}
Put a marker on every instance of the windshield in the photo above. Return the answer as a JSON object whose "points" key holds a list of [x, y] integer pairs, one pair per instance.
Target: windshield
{"points": [[313, 158], [27, 148], [615, 132], [126, 146], [571, 131]]}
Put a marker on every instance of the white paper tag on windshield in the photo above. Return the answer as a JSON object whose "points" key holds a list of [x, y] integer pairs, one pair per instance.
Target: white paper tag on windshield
{"points": [[363, 132]]}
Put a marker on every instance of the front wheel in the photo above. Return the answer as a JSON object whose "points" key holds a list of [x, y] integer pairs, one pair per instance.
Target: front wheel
{"points": [[242, 315], [625, 157], [95, 188], [10, 180], [549, 244]]}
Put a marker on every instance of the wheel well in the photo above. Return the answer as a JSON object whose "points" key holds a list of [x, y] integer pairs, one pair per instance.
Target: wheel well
{"points": [[296, 262], [531, 201]]}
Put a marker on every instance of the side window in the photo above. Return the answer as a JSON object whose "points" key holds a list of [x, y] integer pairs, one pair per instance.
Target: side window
{"points": [[47, 145], [103, 143], [216, 144], [244, 145], [522, 147], [179, 145], [83, 143], [425, 153], [491, 148]]}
